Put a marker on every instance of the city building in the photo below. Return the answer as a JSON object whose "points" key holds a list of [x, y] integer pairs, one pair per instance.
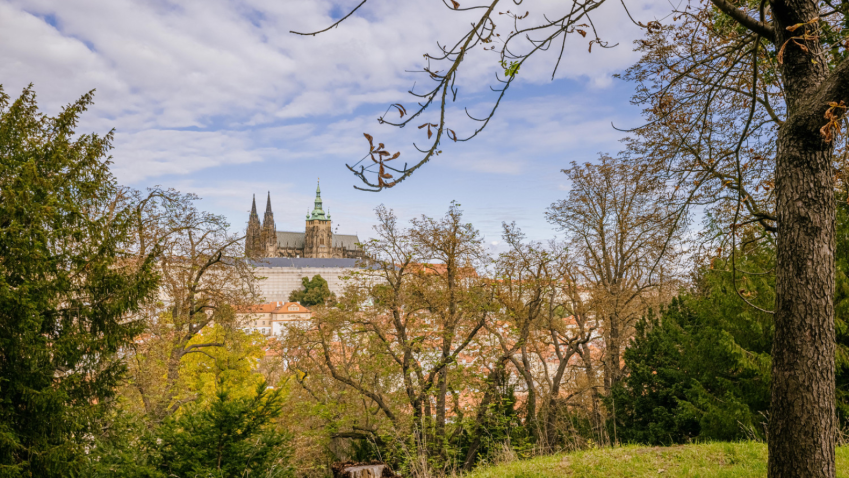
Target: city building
{"points": [[273, 318], [262, 239]]}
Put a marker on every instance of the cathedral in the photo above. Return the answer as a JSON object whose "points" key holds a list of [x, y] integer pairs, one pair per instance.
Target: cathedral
{"points": [[317, 241]]}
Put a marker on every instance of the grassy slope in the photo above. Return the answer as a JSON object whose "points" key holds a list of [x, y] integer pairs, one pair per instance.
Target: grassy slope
{"points": [[713, 460]]}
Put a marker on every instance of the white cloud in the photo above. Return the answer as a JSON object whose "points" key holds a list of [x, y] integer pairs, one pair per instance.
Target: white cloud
{"points": [[183, 64], [197, 87], [152, 153]]}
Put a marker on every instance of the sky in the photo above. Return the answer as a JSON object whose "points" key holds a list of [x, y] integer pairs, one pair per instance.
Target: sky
{"points": [[217, 98]]}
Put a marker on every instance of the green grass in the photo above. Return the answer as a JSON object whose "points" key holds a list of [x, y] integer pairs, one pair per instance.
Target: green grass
{"points": [[712, 460]]}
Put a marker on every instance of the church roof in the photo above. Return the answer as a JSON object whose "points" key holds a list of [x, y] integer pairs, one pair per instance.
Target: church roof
{"points": [[290, 239], [296, 240], [345, 241], [304, 262]]}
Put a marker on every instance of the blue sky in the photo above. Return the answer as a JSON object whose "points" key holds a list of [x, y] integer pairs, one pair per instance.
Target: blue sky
{"points": [[216, 97]]}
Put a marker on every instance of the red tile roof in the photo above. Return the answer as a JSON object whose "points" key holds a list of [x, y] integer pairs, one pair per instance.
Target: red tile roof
{"points": [[275, 308]]}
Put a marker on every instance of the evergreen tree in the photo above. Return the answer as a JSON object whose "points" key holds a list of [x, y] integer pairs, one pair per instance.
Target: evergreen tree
{"points": [[67, 291], [230, 438], [702, 368], [315, 292]]}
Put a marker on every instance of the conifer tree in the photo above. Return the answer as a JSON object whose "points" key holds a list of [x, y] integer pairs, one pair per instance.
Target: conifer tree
{"points": [[67, 291], [230, 438]]}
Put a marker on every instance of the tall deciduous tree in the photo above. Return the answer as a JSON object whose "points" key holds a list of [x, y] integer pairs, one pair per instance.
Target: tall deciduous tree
{"points": [[204, 277], [541, 328], [622, 232], [67, 291], [397, 334]]}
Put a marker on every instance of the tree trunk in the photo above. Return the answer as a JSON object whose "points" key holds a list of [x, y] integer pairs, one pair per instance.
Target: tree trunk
{"points": [[802, 411], [612, 353], [439, 433]]}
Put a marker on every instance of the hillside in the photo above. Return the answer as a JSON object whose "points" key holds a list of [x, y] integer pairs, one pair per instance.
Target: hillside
{"points": [[714, 460]]}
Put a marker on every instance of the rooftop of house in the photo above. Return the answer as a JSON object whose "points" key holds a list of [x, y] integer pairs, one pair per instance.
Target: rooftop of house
{"points": [[276, 308]]}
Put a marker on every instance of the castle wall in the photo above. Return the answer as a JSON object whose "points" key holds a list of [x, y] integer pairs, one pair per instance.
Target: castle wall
{"points": [[281, 281]]}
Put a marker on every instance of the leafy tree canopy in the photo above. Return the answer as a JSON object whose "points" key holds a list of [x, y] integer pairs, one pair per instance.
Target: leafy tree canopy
{"points": [[233, 437], [227, 437], [67, 289], [315, 292]]}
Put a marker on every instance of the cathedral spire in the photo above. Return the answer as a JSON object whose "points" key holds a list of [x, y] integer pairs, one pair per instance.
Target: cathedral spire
{"points": [[317, 212], [253, 235], [268, 238]]}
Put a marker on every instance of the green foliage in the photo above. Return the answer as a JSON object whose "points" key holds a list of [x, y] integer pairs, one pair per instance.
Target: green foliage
{"points": [[232, 365], [510, 70], [230, 438], [706, 460], [227, 438], [701, 369], [315, 292], [66, 289], [125, 448]]}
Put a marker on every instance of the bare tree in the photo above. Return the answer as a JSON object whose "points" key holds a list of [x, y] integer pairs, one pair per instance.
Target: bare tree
{"points": [[203, 277], [540, 302], [622, 232], [397, 333]]}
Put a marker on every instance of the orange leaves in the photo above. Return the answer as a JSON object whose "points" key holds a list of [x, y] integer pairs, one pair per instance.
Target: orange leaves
{"points": [[805, 36], [590, 49], [456, 4], [452, 135], [380, 156], [768, 185], [833, 114], [802, 46], [793, 28], [582, 32], [401, 110], [429, 132]]}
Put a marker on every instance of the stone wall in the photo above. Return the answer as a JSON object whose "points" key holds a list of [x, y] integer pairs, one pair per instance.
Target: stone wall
{"points": [[281, 281]]}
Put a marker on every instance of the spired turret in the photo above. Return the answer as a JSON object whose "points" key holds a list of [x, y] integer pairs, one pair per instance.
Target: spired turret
{"points": [[253, 236], [269, 231], [318, 238], [317, 213]]}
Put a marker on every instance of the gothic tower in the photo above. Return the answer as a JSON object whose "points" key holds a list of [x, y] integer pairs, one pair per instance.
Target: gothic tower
{"points": [[268, 238], [318, 240], [253, 236]]}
